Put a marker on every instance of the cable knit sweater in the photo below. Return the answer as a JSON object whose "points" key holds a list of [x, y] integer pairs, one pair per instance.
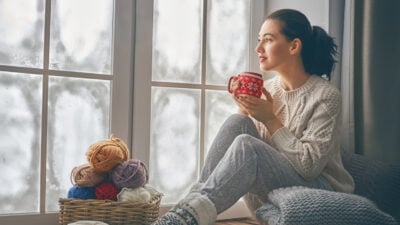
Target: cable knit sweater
{"points": [[310, 138]]}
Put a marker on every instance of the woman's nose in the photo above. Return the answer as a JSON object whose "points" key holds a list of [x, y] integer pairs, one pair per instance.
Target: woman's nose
{"points": [[258, 48]]}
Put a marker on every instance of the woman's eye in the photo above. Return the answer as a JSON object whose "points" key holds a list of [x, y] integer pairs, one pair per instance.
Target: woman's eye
{"points": [[265, 40]]}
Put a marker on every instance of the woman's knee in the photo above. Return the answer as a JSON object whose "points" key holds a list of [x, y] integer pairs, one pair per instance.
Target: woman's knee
{"points": [[241, 124], [245, 138], [237, 118], [246, 142]]}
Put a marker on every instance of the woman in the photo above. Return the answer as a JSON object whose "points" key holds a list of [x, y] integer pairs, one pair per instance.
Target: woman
{"points": [[290, 137]]}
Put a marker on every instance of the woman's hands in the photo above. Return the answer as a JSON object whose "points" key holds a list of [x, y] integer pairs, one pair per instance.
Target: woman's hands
{"points": [[235, 85], [260, 109]]}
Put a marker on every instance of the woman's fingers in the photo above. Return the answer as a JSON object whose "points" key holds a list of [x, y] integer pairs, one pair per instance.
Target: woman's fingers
{"points": [[248, 102], [267, 95], [235, 84]]}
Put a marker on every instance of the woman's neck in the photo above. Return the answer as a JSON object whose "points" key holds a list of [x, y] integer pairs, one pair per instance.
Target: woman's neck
{"points": [[293, 81], [293, 77]]}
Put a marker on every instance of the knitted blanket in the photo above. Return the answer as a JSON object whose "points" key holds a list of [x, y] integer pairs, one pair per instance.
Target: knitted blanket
{"points": [[306, 206]]}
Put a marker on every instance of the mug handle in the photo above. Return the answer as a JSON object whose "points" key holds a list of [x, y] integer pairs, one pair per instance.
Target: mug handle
{"points": [[230, 83]]}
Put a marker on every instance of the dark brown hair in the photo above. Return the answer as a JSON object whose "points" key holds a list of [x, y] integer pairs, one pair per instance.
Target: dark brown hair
{"points": [[318, 48]]}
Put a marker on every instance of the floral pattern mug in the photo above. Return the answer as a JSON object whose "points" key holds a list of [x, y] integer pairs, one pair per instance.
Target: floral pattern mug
{"points": [[250, 83]]}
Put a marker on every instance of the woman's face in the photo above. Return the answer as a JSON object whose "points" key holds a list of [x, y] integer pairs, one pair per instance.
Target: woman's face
{"points": [[273, 48]]}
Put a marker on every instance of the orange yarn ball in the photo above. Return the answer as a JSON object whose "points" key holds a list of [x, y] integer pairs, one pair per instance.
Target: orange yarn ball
{"points": [[104, 155], [85, 176]]}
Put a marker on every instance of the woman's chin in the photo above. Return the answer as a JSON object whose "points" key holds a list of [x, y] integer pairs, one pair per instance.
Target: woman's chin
{"points": [[264, 68]]}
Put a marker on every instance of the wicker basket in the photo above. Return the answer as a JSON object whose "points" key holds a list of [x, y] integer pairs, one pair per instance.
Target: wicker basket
{"points": [[110, 212]]}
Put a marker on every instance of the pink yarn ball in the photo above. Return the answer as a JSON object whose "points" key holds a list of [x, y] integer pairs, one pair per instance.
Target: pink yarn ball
{"points": [[85, 176], [130, 174], [106, 191]]}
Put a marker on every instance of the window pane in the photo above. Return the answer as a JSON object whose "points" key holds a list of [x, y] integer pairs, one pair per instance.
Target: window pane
{"points": [[78, 117], [228, 42], [21, 32], [177, 41], [174, 144], [219, 106], [81, 35], [20, 122]]}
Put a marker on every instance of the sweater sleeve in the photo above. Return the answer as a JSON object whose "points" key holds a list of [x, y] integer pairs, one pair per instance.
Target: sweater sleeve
{"points": [[310, 153]]}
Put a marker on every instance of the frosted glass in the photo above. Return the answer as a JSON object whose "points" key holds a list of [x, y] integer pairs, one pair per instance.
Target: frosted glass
{"points": [[219, 106], [174, 144], [177, 41], [20, 122], [81, 35], [228, 35], [21, 32], [78, 117]]}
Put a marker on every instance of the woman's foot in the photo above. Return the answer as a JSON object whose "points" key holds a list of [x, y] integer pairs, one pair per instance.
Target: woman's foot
{"points": [[194, 209]]}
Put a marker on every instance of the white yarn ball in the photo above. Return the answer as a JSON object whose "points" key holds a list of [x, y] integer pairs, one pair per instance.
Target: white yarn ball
{"points": [[139, 194]]}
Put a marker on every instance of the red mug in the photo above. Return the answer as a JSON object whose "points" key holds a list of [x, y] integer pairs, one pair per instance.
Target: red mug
{"points": [[250, 83]]}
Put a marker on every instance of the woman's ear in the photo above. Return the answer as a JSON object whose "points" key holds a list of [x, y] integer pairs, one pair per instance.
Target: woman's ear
{"points": [[296, 46]]}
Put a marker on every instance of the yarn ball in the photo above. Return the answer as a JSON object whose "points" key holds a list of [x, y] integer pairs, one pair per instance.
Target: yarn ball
{"points": [[139, 194], [129, 174], [106, 191], [104, 155], [82, 192], [85, 176]]}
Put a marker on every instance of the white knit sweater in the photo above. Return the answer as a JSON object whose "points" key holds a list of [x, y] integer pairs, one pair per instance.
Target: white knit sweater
{"points": [[310, 138]]}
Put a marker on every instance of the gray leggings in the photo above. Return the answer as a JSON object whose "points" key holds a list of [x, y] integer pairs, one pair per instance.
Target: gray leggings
{"points": [[239, 162]]}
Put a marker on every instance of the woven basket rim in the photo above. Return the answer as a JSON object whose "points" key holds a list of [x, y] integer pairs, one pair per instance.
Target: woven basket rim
{"points": [[154, 199], [109, 211]]}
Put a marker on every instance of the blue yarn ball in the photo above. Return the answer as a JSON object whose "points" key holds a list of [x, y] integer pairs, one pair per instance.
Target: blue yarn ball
{"points": [[82, 192]]}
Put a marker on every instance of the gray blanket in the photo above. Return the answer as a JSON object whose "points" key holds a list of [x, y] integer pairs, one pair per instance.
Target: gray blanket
{"points": [[306, 206]]}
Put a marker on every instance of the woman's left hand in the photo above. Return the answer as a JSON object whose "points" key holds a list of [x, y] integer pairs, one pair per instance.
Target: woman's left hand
{"points": [[259, 108]]}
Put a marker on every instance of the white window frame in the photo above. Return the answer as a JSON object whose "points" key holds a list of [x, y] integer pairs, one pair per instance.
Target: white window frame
{"points": [[121, 109], [143, 83]]}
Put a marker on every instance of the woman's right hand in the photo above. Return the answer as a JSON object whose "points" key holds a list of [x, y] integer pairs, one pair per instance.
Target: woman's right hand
{"points": [[241, 110], [235, 85]]}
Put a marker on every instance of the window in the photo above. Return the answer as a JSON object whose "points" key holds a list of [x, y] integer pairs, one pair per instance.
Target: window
{"points": [[193, 46], [187, 51], [65, 76], [72, 72]]}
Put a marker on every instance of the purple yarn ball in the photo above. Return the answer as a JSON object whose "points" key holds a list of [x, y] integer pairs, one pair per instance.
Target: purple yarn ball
{"points": [[129, 174], [82, 192]]}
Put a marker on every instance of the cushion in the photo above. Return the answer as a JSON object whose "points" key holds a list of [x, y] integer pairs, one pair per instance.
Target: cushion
{"points": [[307, 206], [375, 180]]}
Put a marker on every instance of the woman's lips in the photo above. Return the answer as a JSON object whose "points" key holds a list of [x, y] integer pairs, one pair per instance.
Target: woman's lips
{"points": [[261, 59]]}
